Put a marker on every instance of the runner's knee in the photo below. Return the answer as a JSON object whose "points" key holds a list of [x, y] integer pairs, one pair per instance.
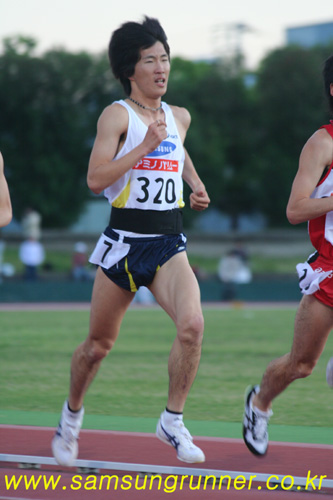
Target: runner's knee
{"points": [[190, 330], [304, 369], [301, 369], [98, 349]]}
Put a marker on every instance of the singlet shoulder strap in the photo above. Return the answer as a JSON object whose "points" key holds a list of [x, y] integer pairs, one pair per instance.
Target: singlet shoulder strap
{"points": [[168, 112], [123, 103], [329, 128], [327, 169]]}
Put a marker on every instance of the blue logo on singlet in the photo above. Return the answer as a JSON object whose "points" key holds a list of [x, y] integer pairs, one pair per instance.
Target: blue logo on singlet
{"points": [[165, 148]]}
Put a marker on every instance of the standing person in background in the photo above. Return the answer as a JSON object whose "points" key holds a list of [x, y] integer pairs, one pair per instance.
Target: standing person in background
{"points": [[80, 271], [32, 255], [6, 212], [311, 199], [31, 224], [31, 252], [138, 159]]}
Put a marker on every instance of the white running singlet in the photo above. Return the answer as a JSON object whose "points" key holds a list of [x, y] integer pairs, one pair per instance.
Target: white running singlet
{"points": [[155, 182]]}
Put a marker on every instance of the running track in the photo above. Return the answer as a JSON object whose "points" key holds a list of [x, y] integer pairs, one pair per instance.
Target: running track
{"points": [[221, 454]]}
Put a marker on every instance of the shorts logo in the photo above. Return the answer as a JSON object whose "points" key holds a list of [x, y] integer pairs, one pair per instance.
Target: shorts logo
{"points": [[165, 148]]}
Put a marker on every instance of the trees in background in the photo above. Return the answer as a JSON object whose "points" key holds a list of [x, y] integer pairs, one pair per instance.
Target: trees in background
{"points": [[221, 137], [48, 112], [290, 106], [244, 139]]}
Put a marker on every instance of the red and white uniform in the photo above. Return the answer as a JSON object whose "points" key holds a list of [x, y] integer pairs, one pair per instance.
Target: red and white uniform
{"points": [[316, 274]]}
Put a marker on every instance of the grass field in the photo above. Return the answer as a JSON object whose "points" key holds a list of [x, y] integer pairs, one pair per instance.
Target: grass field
{"points": [[59, 261], [36, 349]]}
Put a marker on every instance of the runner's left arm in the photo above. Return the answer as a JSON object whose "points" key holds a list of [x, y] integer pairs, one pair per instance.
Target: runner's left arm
{"points": [[199, 199]]}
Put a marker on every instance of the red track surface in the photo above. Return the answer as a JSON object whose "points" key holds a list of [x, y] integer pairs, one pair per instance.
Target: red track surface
{"points": [[221, 454]]}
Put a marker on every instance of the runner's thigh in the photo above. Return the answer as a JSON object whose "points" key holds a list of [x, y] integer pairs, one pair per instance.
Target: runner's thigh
{"points": [[108, 306], [176, 288], [313, 323]]}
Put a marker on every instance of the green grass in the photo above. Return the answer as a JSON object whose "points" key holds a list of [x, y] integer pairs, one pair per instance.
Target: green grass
{"points": [[259, 264], [60, 261], [36, 349]]}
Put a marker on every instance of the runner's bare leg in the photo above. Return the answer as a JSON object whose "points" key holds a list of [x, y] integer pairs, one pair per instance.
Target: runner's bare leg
{"points": [[108, 306]]}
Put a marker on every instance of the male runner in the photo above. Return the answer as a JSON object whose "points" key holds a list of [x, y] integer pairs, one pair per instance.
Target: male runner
{"points": [[311, 199], [139, 161]]}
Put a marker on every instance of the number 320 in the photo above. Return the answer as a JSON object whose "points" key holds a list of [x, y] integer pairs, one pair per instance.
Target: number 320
{"points": [[166, 190]]}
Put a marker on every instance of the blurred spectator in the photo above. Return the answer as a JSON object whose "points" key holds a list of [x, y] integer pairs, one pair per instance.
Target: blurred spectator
{"points": [[31, 251], [31, 224], [32, 255], [233, 269], [80, 270], [240, 252]]}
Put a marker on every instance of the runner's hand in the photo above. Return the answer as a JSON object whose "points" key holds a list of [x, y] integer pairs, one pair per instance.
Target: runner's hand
{"points": [[156, 133], [199, 199]]}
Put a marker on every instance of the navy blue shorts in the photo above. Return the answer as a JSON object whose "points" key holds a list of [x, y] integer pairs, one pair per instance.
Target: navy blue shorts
{"points": [[145, 257]]}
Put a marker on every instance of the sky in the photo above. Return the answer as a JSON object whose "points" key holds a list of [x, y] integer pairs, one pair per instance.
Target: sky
{"points": [[196, 29]]}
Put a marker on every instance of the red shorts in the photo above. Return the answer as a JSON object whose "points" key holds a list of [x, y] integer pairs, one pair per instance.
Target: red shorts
{"points": [[315, 278]]}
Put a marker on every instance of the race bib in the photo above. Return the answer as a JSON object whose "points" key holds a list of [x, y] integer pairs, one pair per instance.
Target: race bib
{"points": [[108, 252]]}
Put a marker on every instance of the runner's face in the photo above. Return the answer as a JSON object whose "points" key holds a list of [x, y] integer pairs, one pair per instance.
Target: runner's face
{"points": [[152, 72]]}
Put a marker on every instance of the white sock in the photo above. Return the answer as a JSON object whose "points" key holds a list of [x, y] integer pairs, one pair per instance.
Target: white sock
{"points": [[73, 414], [170, 418], [262, 413]]}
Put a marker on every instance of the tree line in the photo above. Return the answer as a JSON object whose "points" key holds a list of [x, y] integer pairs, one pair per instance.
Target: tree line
{"points": [[245, 137]]}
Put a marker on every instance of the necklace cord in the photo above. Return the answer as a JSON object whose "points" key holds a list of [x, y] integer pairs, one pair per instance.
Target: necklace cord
{"points": [[145, 107]]}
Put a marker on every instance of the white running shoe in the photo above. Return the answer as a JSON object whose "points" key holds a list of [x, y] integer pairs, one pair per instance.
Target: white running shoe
{"points": [[255, 425], [179, 437], [64, 443]]}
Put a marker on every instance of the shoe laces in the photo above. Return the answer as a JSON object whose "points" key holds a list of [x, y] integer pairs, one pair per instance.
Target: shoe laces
{"points": [[260, 423], [184, 432], [70, 428]]}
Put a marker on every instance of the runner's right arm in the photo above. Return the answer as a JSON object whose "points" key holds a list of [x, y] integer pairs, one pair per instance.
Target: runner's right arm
{"points": [[315, 156], [103, 170]]}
